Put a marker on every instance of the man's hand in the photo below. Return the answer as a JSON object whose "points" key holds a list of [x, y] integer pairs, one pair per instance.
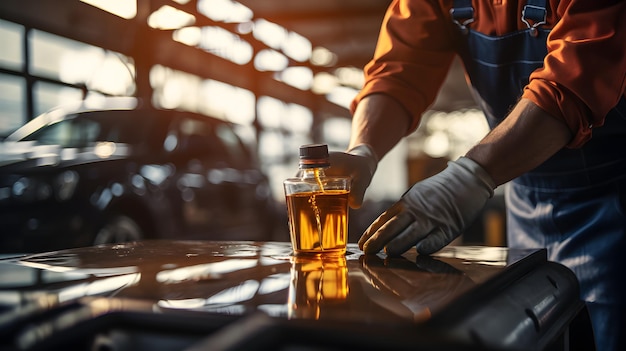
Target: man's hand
{"points": [[433, 212], [359, 163]]}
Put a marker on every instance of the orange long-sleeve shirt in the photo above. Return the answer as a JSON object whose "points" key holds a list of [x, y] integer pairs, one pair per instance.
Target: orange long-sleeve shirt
{"points": [[584, 72]]}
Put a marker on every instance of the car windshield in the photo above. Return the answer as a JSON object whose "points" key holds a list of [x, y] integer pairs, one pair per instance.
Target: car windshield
{"points": [[84, 130]]}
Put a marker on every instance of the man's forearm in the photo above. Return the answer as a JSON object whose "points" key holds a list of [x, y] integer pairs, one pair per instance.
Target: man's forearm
{"points": [[379, 121], [524, 140]]}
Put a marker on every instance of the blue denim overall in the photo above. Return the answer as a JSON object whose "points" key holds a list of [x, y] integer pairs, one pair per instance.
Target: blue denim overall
{"points": [[574, 204]]}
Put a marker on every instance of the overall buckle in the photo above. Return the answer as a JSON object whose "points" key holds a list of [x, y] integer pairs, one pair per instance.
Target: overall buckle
{"points": [[462, 16], [537, 15]]}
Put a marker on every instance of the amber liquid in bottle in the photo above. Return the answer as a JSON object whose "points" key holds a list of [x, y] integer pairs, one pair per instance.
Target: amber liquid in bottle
{"points": [[319, 221], [317, 206]]}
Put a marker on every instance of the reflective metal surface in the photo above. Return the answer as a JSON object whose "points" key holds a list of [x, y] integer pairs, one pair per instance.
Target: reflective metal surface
{"points": [[237, 279]]}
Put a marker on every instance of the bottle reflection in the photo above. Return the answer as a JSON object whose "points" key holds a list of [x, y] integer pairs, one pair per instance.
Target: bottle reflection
{"points": [[316, 282]]}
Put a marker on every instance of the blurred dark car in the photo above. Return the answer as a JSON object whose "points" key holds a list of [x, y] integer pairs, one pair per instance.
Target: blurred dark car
{"points": [[120, 172]]}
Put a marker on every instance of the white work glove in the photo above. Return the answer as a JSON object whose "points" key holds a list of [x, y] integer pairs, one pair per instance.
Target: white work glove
{"points": [[433, 212], [360, 164]]}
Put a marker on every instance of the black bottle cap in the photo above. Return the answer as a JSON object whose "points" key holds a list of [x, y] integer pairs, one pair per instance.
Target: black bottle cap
{"points": [[314, 155]]}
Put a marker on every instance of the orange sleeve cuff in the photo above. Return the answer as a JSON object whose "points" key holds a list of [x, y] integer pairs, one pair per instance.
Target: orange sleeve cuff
{"points": [[548, 98]]}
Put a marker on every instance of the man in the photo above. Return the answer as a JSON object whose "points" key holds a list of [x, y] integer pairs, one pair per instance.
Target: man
{"points": [[550, 76]]}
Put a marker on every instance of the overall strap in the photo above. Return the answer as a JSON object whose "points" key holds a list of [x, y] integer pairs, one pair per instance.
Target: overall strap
{"points": [[462, 14], [534, 14]]}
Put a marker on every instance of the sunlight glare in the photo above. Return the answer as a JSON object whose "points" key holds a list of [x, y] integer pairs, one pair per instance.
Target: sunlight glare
{"points": [[342, 96], [297, 47], [336, 131], [276, 114], [299, 77], [191, 36], [122, 8], [77, 66], [98, 70], [271, 145], [437, 144], [226, 45], [323, 57], [227, 102], [297, 119], [217, 41], [270, 60], [324, 83], [113, 77], [168, 17], [270, 110], [227, 11], [350, 76], [269, 33]]}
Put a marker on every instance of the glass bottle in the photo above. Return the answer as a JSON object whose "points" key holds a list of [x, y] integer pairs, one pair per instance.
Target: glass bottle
{"points": [[317, 205]]}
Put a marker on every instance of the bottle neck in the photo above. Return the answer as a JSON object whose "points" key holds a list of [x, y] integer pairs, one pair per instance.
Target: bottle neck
{"points": [[312, 172]]}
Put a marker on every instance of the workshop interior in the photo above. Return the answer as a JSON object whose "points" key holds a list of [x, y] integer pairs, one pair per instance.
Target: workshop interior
{"points": [[143, 150]]}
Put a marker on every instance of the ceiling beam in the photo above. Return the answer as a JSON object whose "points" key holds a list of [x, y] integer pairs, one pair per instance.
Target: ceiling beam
{"points": [[82, 22]]}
